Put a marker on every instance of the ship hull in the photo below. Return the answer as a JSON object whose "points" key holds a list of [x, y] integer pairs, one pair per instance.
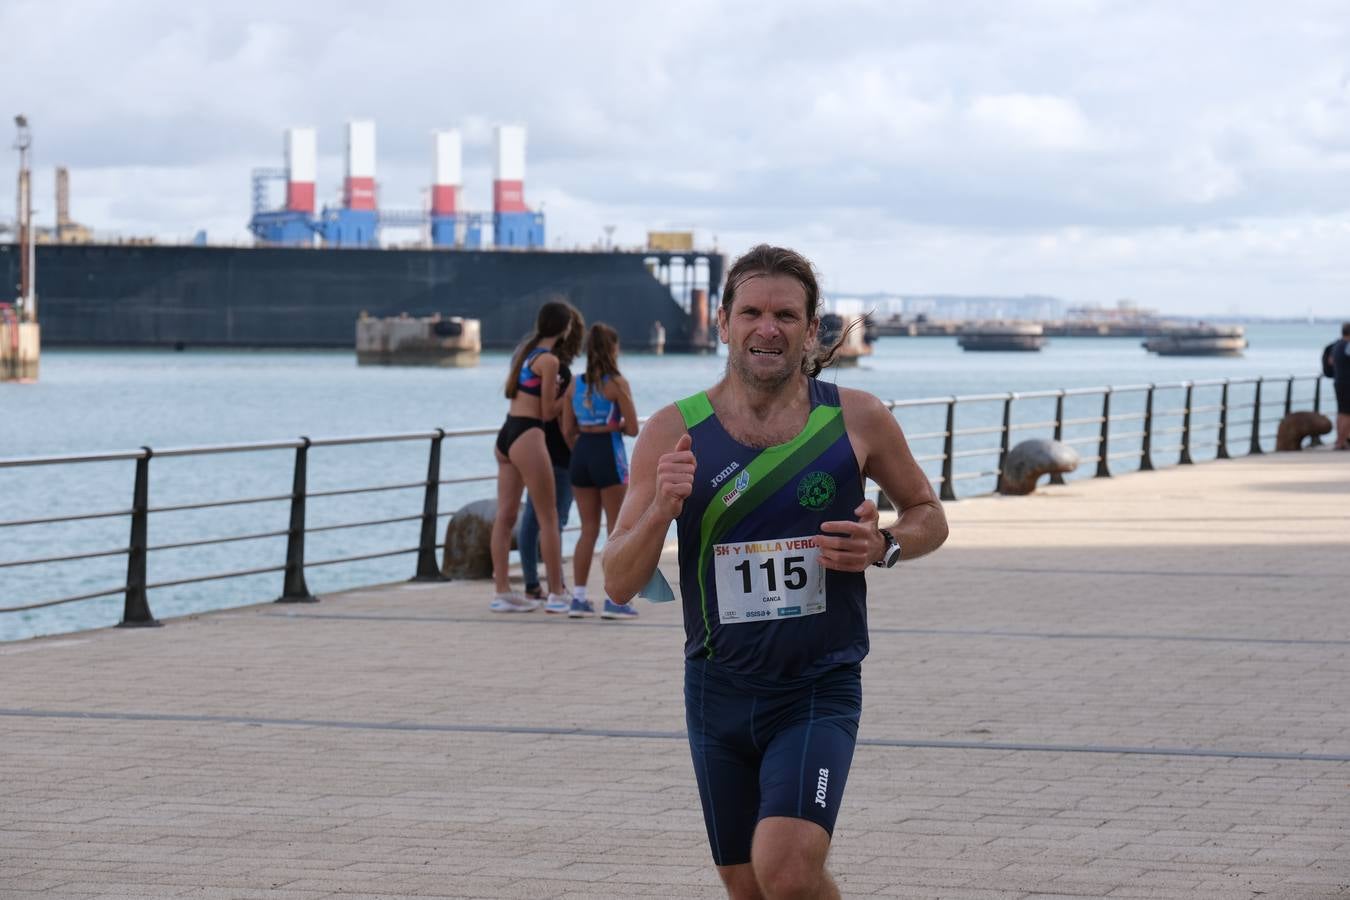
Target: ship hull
{"points": [[96, 295]]}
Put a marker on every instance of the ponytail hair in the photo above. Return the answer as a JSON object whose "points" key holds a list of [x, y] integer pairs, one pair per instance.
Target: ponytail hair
{"points": [[602, 357], [553, 321], [568, 347]]}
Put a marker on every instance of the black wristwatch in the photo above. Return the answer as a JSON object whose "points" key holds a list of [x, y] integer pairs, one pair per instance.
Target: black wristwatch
{"points": [[891, 556]]}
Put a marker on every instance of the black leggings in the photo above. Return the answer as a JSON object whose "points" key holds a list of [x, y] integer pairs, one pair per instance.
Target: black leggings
{"points": [[515, 426]]}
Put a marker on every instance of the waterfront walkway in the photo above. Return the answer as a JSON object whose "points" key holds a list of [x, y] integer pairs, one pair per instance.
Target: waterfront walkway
{"points": [[1133, 687]]}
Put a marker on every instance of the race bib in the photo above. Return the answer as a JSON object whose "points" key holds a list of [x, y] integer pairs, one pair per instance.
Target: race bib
{"points": [[772, 579]]}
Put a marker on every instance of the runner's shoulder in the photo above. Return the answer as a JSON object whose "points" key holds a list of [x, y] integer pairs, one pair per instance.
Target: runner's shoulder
{"points": [[860, 406], [663, 428], [544, 363]]}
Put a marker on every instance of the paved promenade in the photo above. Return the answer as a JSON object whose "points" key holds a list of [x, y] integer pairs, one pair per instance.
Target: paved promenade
{"points": [[1135, 687]]}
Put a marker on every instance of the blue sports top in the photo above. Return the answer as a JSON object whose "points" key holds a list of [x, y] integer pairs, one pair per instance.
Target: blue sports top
{"points": [[527, 380], [600, 411], [756, 601]]}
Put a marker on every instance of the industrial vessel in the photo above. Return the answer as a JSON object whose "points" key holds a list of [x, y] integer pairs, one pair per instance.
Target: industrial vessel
{"points": [[1022, 337], [313, 272], [447, 341], [1199, 340]]}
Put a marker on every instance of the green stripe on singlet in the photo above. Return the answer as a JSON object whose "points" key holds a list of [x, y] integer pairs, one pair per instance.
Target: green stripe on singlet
{"points": [[695, 409], [769, 471]]}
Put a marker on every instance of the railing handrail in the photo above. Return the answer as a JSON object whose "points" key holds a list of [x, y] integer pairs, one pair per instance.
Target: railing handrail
{"points": [[483, 431]]}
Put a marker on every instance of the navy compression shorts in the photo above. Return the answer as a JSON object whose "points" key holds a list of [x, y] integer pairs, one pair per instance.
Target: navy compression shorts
{"points": [[599, 460], [778, 754]]}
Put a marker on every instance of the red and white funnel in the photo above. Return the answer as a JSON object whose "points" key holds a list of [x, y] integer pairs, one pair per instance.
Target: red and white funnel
{"points": [[358, 191], [301, 167], [449, 173], [508, 187]]}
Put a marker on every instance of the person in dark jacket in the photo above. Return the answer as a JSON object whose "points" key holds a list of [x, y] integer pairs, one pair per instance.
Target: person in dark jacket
{"points": [[1336, 357]]}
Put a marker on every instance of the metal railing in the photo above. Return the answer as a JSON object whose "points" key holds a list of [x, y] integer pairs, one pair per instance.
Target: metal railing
{"points": [[136, 609], [1098, 431], [1094, 431]]}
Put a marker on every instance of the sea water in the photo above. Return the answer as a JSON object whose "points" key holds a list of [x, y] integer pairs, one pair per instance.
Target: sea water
{"points": [[96, 400]]}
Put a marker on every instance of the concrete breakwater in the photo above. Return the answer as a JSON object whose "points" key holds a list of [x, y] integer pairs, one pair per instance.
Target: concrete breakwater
{"points": [[20, 349]]}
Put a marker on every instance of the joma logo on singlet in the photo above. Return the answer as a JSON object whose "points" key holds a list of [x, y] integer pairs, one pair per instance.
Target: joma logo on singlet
{"points": [[725, 474], [822, 782]]}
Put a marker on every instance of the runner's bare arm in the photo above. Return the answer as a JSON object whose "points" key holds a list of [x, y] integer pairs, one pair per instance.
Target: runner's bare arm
{"points": [[922, 525], [661, 477], [545, 365], [568, 422], [627, 409]]}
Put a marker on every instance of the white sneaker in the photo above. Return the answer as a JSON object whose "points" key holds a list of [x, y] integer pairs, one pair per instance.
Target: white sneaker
{"points": [[512, 603], [557, 603]]}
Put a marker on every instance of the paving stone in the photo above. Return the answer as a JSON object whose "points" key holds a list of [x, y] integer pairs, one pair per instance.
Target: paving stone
{"points": [[401, 741]]}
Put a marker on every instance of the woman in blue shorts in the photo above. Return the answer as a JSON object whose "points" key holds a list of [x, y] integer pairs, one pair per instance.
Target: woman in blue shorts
{"points": [[600, 407]]}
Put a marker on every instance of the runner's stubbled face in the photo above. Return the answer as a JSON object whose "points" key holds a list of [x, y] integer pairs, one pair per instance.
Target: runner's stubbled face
{"points": [[766, 330]]}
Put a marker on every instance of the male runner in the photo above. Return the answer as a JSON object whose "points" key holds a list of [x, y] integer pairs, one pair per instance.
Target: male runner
{"points": [[764, 474]]}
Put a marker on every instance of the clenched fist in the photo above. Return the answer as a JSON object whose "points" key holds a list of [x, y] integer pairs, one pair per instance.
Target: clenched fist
{"points": [[675, 477]]}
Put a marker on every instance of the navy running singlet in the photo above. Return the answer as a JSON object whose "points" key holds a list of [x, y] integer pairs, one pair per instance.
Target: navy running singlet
{"points": [[756, 600]]}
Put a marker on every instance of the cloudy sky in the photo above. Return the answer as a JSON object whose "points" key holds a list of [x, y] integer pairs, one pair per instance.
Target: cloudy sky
{"points": [[1191, 156]]}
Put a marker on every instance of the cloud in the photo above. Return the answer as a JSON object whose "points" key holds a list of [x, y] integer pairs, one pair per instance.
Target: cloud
{"points": [[1049, 145], [1036, 122]]}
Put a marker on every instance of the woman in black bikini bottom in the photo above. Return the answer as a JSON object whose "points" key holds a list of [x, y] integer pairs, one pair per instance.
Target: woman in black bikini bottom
{"points": [[522, 457], [515, 426]]}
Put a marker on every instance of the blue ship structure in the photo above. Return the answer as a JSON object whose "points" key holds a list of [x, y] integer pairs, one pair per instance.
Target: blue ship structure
{"points": [[314, 273]]}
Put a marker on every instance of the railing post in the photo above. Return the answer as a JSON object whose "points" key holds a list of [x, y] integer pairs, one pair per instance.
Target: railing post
{"points": [[427, 569], [1317, 408], [1004, 441], [1103, 442], [136, 607], [1222, 451], [295, 590], [1255, 449], [1057, 477], [948, 489], [1146, 446], [1289, 396], [1185, 459]]}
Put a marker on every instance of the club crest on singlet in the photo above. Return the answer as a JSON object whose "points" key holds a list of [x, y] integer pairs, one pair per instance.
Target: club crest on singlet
{"points": [[815, 490]]}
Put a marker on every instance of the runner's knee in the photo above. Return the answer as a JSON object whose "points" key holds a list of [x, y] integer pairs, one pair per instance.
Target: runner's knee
{"points": [[789, 858]]}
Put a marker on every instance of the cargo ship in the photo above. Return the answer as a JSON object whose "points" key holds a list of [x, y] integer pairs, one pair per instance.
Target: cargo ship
{"points": [[119, 295], [312, 274]]}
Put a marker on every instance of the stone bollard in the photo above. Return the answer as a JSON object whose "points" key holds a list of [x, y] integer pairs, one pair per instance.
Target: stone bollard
{"points": [[1029, 460], [468, 541], [1298, 425]]}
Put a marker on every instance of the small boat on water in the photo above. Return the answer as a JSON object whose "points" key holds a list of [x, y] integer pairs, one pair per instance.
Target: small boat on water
{"points": [[1018, 337], [405, 340], [1198, 340]]}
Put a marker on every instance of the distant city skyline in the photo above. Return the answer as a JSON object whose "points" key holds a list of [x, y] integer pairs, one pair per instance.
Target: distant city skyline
{"points": [[1194, 158]]}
